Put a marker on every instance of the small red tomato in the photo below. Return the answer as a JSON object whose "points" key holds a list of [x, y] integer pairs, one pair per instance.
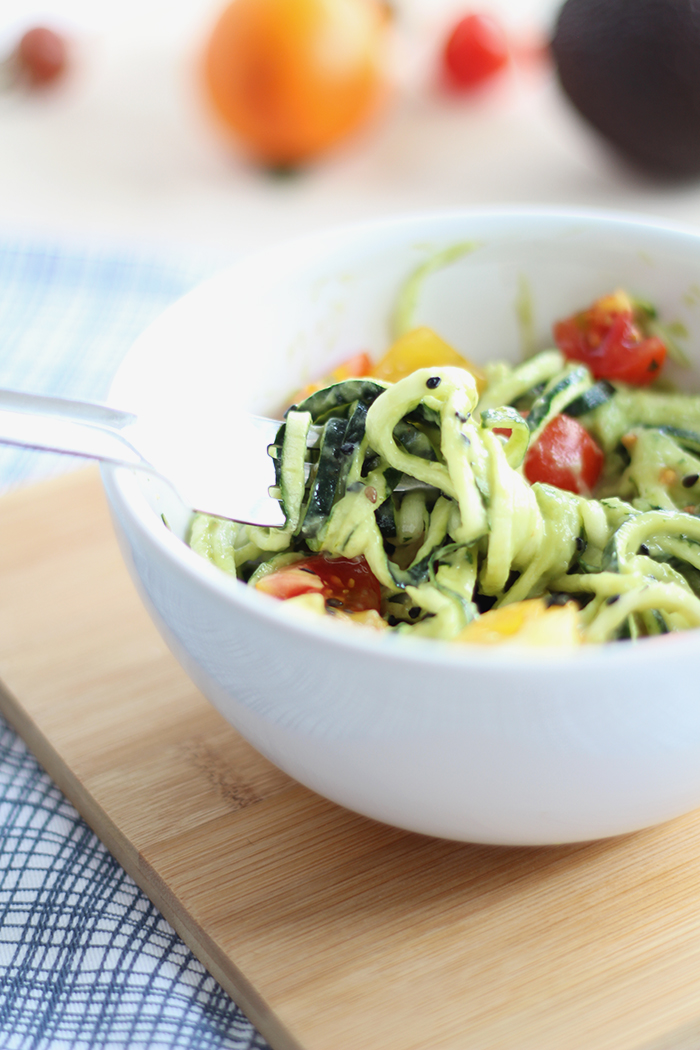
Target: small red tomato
{"points": [[608, 340], [565, 455], [41, 55], [356, 366], [476, 49], [345, 583]]}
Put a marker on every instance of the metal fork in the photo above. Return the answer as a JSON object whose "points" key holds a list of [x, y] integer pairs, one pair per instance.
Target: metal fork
{"points": [[217, 465]]}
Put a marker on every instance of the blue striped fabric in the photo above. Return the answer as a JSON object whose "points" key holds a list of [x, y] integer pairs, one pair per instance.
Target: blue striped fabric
{"points": [[66, 321], [86, 961]]}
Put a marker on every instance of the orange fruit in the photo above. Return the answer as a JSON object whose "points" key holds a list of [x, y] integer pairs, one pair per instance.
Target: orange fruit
{"points": [[291, 78], [632, 71]]}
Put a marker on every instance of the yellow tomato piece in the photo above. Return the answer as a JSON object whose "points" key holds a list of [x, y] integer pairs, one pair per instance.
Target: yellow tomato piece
{"points": [[422, 348], [529, 622]]}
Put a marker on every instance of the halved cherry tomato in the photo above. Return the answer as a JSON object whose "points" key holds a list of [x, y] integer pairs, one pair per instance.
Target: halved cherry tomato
{"points": [[476, 49], [345, 583], [565, 455], [608, 340]]}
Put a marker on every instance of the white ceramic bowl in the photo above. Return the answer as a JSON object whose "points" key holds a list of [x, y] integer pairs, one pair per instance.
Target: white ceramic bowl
{"points": [[489, 745]]}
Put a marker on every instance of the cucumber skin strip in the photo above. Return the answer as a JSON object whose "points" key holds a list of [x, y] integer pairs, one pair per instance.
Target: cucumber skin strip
{"points": [[599, 394], [662, 596], [334, 398], [323, 488], [556, 397]]}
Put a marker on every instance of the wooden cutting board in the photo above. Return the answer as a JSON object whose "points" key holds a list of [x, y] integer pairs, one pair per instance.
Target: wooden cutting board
{"points": [[332, 932]]}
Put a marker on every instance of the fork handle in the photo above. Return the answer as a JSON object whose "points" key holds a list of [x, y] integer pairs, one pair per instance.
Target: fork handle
{"points": [[78, 428]]}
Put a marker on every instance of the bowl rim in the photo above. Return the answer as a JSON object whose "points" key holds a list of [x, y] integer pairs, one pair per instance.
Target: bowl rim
{"points": [[125, 496]]}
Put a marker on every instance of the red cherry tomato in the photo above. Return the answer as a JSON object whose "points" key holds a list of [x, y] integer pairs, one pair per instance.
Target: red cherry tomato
{"points": [[607, 339], [345, 583], [476, 49], [41, 55], [355, 367], [565, 455]]}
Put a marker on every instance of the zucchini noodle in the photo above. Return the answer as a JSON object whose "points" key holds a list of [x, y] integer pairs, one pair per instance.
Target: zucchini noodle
{"points": [[424, 479]]}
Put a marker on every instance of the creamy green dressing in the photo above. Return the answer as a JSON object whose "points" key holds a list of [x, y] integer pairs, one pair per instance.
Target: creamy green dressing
{"points": [[477, 534]]}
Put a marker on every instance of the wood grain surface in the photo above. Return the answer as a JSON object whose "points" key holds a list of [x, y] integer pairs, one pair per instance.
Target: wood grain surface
{"points": [[332, 932]]}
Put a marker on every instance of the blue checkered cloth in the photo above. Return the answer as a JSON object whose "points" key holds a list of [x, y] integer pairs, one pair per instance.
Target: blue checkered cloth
{"points": [[86, 961]]}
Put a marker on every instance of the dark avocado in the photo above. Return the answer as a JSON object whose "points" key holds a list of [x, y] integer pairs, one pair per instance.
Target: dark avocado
{"points": [[632, 69]]}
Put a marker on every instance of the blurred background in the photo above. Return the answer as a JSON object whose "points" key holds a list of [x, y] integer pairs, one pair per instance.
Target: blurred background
{"points": [[122, 149]]}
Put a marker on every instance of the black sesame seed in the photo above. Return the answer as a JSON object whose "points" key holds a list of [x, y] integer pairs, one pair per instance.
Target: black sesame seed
{"points": [[643, 549], [415, 611], [612, 599], [347, 449], [689, 480], [433, 382], [334, 603], [580, 544]]}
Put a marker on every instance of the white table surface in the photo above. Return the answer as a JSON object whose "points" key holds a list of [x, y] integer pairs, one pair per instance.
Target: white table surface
{"points": [[124, 150]]}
